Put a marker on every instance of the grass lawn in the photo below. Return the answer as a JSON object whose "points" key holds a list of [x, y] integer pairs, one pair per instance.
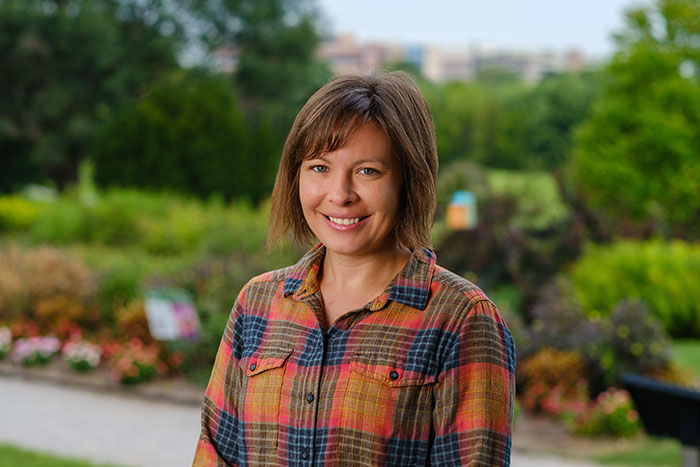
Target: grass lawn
{"points": [[686, 354], [18, 457], [644, 451], [539, 202]]}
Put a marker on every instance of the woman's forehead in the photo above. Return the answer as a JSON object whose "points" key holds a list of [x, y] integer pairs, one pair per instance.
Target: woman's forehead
{"points": [[337, 136]]}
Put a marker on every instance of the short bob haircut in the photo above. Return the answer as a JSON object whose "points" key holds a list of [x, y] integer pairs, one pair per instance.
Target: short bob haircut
{"points": [[394, 103]]}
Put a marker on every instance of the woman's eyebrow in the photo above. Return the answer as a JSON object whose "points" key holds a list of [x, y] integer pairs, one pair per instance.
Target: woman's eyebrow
{"points": [[318, 157], [374, 161], [357, 162]]}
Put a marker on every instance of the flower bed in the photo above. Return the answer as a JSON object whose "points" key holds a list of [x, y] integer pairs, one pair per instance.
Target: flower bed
{"points": [[34, 351], [134, 362]]}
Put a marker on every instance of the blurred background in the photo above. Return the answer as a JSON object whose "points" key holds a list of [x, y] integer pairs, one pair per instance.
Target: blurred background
{"points": [[139, 142]]}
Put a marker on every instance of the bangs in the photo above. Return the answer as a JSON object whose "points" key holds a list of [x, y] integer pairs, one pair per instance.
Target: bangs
{"points": [[333, 114], [328, 134]]}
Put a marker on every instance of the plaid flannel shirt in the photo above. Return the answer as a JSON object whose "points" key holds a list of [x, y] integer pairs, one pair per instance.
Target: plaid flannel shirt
{"points": [[422, 375]]}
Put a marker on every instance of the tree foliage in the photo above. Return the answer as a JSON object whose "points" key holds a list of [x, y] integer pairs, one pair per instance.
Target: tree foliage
{"points": [[638, 155], [275, 41], [202, 134], [539, 124], [507, 124], [63, 66], [466, 119], [186, 134]]}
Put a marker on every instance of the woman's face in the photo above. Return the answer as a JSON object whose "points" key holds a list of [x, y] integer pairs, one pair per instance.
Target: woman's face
{"points": [[350, 196]]}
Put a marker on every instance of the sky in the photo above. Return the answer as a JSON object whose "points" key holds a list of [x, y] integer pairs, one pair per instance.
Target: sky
{"points": [[511, 24]]}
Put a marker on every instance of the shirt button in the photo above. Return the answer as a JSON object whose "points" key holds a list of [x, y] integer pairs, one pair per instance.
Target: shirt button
{"points": [[309, 398], [305, 454], [253, 366], [394, 375]]}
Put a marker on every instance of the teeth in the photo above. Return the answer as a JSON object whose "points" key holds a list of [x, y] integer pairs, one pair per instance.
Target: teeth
{"points": [[344, 221]]}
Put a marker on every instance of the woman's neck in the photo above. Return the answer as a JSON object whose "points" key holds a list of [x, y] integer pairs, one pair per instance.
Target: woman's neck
{"points": [[363, 272]]}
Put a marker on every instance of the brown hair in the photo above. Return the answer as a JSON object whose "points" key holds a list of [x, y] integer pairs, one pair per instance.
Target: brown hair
{"points": [[395, 104]]}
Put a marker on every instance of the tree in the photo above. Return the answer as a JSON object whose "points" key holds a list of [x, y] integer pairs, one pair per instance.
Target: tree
{"points": [[276, 71], [187, 134], [637, 157], [466, 119], [64, 65], [536, 131]]}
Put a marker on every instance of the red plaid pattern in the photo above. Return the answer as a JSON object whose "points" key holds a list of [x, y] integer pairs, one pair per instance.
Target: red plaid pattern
{"points": [[422, 375]]}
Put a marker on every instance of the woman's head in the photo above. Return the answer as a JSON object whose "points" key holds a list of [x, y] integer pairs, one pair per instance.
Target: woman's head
{"points": [[396, 106]]}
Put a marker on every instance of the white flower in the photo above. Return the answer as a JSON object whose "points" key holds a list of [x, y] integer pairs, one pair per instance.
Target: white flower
{"points": [[82, 351]]}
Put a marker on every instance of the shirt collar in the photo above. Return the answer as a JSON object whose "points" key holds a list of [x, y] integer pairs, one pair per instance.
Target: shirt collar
{"points": [[411, 286]]}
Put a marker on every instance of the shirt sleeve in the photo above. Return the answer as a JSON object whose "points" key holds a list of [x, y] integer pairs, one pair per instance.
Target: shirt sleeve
{"points": [[219, 439], [474, 395]]}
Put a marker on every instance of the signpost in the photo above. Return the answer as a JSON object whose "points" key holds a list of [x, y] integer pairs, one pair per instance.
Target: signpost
{"points": [[171, 314], [461, 212]]}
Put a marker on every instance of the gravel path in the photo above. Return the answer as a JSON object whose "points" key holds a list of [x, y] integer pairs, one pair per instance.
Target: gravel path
{"points": [[110, 428]]}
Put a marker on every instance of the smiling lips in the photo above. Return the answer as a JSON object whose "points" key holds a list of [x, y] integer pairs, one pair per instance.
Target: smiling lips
{"points": [[345, 221]]}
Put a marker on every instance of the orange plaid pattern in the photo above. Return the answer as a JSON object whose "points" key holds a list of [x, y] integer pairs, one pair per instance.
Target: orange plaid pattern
{"points": [[422, 375]]}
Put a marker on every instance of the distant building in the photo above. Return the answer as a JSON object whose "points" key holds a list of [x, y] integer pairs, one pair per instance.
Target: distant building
{"points": [[344, 54], [226, 59], [442, 64]]}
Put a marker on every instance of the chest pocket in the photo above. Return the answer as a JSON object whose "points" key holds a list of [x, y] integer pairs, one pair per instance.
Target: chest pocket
{"points": [[260, 395], [388, 398]]}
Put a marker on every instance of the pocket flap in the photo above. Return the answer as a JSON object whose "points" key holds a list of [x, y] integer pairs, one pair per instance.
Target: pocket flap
{"points": [[392, 374], [266, 359]]}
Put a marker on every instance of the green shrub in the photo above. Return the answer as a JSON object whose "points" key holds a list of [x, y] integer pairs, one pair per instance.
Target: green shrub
{"points": [[119, 285], [157, 223], [180, 229], [634, 341], [627, 339], [61, 223], [664, 275], [114, 219], [238, 227], [612, 413], [559, 323], [538, 201], [16, 213]]}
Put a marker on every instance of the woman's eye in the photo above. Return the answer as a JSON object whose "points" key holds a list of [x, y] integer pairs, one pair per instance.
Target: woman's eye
{"points": [[319, 168], [368, 171]]}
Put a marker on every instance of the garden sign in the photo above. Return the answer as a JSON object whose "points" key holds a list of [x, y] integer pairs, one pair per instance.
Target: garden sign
{"points": [[171, 314]]}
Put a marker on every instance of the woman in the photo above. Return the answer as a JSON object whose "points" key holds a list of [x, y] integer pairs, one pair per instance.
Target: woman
{"points": [[365, 352]]}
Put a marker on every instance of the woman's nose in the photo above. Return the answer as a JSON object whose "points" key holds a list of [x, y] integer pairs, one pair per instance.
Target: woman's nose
{"points": [[341, 191]]}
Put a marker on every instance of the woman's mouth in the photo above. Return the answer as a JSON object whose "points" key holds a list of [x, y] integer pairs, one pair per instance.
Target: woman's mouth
{"points": [[345, 222]]}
